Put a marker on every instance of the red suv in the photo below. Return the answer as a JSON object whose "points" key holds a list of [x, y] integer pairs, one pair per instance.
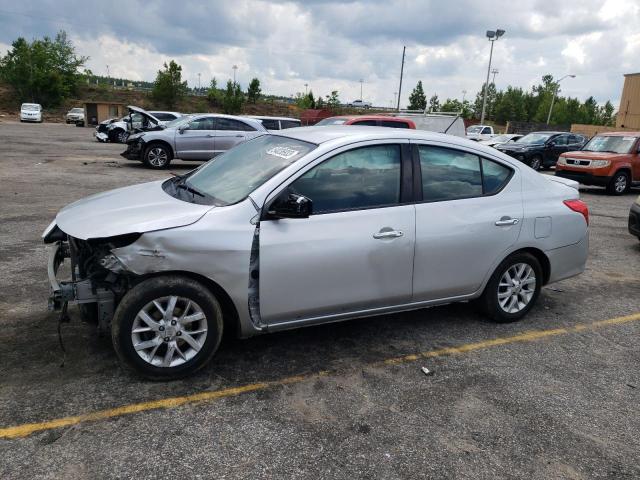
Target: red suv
{"points": [[609, 160], [369, 120]]}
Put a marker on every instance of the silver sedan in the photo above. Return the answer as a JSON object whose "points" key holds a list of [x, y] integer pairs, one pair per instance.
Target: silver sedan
{"points": [[310, 226]]}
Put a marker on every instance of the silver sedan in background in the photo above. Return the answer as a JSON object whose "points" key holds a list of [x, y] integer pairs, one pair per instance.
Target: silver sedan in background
{"points": [[309, 226]]}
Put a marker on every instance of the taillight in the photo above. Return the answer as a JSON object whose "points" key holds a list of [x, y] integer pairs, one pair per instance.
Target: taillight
{"points": [[580, 207]]}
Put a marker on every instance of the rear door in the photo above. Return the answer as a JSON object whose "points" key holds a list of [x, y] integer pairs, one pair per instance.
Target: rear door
{"points": [[197, 140], [230, 132], [471, 213]]}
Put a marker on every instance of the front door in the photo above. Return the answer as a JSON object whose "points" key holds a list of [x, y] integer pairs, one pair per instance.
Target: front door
{"points": [[470, 215], [355, 251], [196, 141], [560, 145]]}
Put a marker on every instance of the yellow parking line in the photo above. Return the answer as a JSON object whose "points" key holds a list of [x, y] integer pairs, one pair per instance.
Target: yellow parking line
{"points": [[26, 429]]}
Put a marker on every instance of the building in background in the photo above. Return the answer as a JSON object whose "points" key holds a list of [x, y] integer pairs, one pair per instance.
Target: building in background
{"points": [[629, 111]]}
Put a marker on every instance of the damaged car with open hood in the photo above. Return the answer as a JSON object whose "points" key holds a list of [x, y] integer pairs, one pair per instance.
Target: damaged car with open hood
{"points": [[118, 130], [310, 226]]}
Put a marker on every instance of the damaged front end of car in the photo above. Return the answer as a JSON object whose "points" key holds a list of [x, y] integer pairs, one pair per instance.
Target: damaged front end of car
{"points": [[98, 279]]}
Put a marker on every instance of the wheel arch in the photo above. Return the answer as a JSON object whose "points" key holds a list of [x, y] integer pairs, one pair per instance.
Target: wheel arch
{"points": [[541, 257], [230, 315]]}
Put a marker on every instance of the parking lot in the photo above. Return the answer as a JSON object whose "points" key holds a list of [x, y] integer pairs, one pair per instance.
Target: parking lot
{"points": [[554, 396]]}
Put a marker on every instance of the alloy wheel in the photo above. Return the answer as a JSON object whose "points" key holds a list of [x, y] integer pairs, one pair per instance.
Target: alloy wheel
{"points": [[516, 287], [157, 157], [620, 184], [536, 163], [169, 331]]}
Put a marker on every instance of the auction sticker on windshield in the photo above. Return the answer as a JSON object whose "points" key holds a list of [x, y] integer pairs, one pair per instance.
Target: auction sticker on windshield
{"points": [[283, 152]]}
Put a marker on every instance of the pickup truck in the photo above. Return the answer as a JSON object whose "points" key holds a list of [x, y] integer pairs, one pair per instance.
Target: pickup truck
{"points": [[480, 132]]}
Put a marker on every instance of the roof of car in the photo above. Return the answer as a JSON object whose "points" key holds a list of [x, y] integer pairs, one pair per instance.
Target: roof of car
{"points": [[265, 117], [620, 134], [165, 111], [551, 132], [327, 133], [370, 117]]}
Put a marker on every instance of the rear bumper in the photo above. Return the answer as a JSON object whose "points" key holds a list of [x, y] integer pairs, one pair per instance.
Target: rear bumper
{"points": [[634, 220], [586, 178], [568, 261]]}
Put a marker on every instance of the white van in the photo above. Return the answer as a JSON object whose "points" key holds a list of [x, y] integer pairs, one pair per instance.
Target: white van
{"points": [[31, 112]]}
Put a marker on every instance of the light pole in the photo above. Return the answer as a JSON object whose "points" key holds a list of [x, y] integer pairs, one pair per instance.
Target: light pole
{"points": [[555, 92], [361, 89], [464, 94], [305, 88], [492, 36], [235, 67], [199, 83]]}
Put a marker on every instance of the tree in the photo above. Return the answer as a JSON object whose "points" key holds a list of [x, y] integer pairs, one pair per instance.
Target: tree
{"points": [[253, 92], [455, 105], [434, 103], [44, 71], [233, 99], [312, 100], [169, 88], [417, 99], [491, 97], [214, 94], [333, 101], [305, 101]]}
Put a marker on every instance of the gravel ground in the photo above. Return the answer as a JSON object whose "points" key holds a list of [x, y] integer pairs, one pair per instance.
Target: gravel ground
{"points": [[563, 406]]}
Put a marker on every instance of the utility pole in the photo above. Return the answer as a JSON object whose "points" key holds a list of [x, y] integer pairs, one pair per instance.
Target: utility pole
{"points": [[494, 72], [305, 88], [235, 67], [492, 36], [401, 73], [199, 86], [464, 94], [361, 89]]}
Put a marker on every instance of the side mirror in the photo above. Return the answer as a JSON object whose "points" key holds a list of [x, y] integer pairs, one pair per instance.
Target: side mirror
{"points": [[182, 128], [291, 206], [551, 144]]}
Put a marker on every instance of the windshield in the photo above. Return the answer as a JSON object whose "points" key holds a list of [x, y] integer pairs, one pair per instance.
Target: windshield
{"points": [[612, 144], [30, 106], [501, 138], [535, 138], [474, 129], [231, 177], [76, 110], [332, 121]]}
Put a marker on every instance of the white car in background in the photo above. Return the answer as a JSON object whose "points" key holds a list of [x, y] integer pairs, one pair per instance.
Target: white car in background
{"points": [[75, 115], [501, 139], [359, 104], [277, 123], [31, 112]]}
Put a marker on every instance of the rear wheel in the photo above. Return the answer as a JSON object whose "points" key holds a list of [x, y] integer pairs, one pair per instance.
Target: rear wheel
{"points": [[619, 184], [513, 288], [157, 156], [167, 327]]}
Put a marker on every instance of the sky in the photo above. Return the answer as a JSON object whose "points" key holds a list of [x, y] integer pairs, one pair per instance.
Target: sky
{"points": [[332, 45]]}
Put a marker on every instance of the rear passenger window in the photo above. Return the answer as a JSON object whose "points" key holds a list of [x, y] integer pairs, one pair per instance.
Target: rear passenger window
{"points": [[494, 176], [270, 124], [361, 178], [388, 123], [290, 123], [204, 123], [232, 125], [449, 174], [368, 123]]}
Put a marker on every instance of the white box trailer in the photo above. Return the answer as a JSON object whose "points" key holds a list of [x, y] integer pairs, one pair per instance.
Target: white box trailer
{"points": [[441, 122]]}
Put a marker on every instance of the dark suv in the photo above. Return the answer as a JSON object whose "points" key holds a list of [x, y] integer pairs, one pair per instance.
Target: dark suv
{"points": [[542, 149]]}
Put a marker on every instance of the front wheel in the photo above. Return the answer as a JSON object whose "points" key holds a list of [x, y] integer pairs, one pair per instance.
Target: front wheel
{"points": [[167, 327], [157, 156], [536, 163], [513, 288], [619, 184]]}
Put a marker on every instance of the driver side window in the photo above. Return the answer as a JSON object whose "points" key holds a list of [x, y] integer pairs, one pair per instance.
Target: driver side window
{"points": [[365, 177]]}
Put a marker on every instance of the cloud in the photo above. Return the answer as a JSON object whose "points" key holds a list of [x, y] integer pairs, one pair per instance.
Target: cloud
{"points": [[331, 45]]}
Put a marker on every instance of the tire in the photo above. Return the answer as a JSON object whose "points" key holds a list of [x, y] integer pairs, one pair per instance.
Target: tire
{"points": [[489, 301], [536, 163], [157, 156], [193, 299], [619, 184]]}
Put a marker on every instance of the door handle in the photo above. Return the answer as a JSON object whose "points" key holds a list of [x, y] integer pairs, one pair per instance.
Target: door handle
{"points": [[506, 221], [210, 135], [240, 136], [388, 234]]}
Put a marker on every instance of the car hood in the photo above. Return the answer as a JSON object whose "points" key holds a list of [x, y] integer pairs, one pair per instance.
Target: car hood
{"points": [[135, 209], [521, 147], [144, 113], [581, 154]]}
